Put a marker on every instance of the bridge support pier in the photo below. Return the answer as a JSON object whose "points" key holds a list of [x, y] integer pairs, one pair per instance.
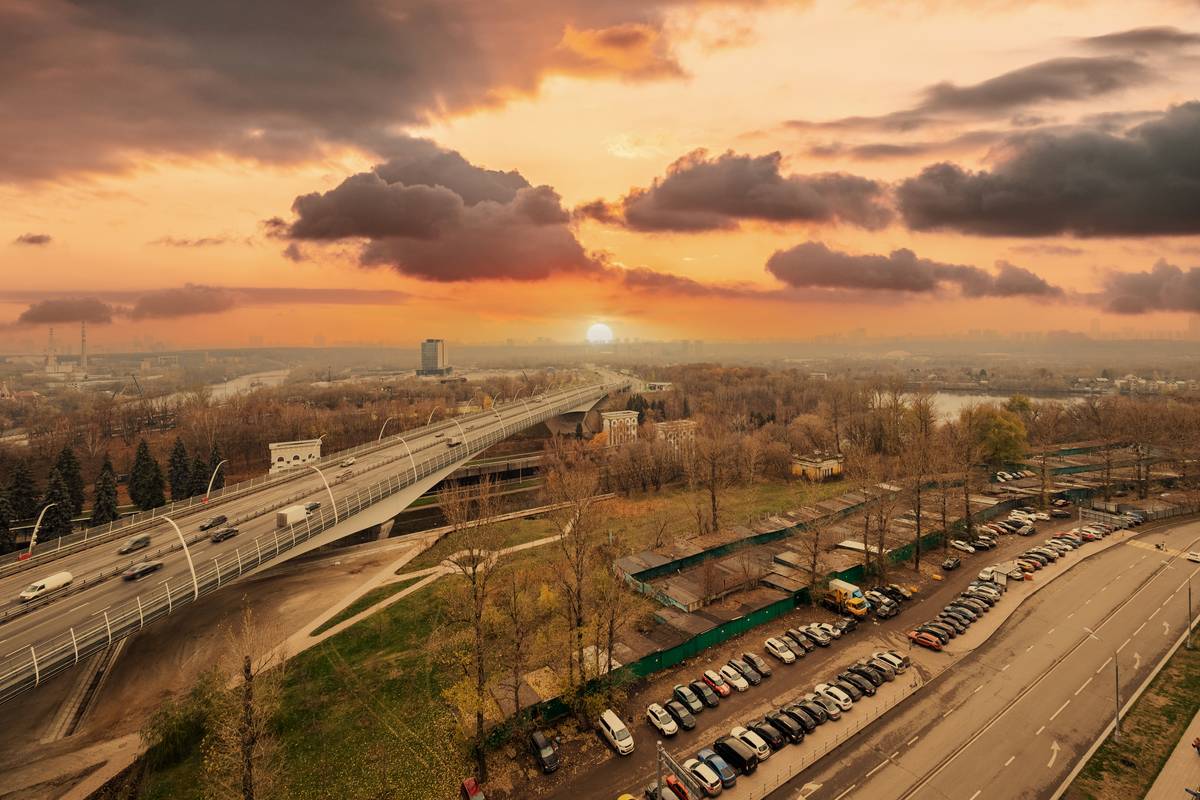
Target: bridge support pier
{"points": [[384, 529]]}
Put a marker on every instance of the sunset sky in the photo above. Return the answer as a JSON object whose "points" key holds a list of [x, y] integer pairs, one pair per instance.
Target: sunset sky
{"points": [[209, 174]]}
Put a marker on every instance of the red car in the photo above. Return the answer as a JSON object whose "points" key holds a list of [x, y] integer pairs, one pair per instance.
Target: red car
{"points": [[925, 640], [716, 683], [471, 790]]}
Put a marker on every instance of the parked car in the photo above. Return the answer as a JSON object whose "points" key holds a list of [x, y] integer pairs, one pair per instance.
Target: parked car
{"points": [[959, 544], [768, 733], [949, 619], [805, 642], [748, 672], [470, 789], [660, 720], [1193, 556], [846, 624], [212, 522], [792, 731], [857, 681], [716, 683], [827, 704], [545, 751], [827, 629], [870, 673], [925, 640], [705, 775], [614, 730], [812, 709], [1060, 513], [951, 563], [801, 717], [718, 765], [753, 741], [675, 790], [939, 632], [679, 712], [759, 665], [780, 650], [898, 662], [313, 506], [884, 607], [849, 687], [817, 635], [686, 696], [884, 668], [223, 534], [839, 697], [734, 678], [141, 570], [737, 754], [706, 695]]}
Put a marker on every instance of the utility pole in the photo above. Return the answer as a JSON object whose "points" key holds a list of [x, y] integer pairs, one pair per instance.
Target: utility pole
{"points": [[1188, 629], [658, 758], [1117, 687]]}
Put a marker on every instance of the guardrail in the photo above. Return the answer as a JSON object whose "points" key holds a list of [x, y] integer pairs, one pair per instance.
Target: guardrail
{"points": [[50, 550], [23, 670]]}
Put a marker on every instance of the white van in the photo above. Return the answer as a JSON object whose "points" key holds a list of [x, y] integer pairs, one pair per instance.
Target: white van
{"points": [[56, 581], [615, 731]]}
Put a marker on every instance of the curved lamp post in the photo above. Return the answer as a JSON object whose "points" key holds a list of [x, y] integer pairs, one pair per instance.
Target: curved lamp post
{"points": [[188, 554], [381, 429], [36, 526], [220, 464], [332, 502], [429, 419]]}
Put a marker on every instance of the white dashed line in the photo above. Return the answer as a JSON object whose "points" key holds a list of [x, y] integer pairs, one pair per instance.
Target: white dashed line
{"points": [[977, 793], [1155, 614], [948, 713], [1039, 730], [1027, 649], [881, 765], [1139, 628], [1060, 710], [1070, 615], [848, 791], [1084, 686], [977, 688], [1052, 630], [1010, 760], [1005, 667], [1105, 664], [1122, 647], [912, 740]]}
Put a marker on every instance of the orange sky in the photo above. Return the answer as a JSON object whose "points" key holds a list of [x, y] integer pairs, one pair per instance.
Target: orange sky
{"points": [[610, 105]]}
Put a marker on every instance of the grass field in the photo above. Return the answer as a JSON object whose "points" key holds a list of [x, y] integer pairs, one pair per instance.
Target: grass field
{"points": [[1149, 733], [369, 599]]}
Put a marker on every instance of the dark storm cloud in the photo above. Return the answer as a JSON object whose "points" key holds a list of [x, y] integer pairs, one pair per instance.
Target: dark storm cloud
{"points": [[1140, 39], [704, 194], [1084, 183], [813, 265], [1059, 79], [181, 302], [430, 214], [33, 239], [101, 83], [66, 310], [1165, 287]]}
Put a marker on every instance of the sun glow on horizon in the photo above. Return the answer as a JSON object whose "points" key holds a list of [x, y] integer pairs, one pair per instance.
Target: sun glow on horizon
{"points": [[599, 333]]}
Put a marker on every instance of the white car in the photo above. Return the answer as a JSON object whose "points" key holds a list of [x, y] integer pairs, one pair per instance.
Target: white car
{"points": [[1194, 556], [835, 694], [708, 779], [780, 651], [959, 544], [831, 708], [830, 631], [753, 741], [734, 678], [896, 661], [615, 731], [347, 462], [661, 720]]}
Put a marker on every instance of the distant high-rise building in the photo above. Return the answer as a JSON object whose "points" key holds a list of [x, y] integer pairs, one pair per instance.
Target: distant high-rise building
{"points": [[433, 358]]}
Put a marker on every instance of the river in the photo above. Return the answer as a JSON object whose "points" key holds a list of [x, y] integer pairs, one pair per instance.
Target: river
{"points": [[948, 404]]}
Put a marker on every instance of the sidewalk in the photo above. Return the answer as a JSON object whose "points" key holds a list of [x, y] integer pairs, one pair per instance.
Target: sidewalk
{"points": [[1182, 768]]}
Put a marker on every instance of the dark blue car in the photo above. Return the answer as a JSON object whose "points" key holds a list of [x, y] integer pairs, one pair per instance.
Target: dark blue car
{"points": [[724, 771]]}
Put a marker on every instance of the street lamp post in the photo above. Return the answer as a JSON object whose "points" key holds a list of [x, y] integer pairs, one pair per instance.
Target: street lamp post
{"points": [[208, 491], [429, 419], [381, 429], [1117, 687], [332, 501], [36, 526], [188, 555]]}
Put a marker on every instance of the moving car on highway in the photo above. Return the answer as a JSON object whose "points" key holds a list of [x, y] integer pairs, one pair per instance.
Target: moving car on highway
{"points": [[139, 571], [212, 522]]}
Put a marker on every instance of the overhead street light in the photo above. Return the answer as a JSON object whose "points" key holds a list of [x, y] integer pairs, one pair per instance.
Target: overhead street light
{"points": [[332, 501], [208, 491], [188, 555], [381, 429], [429, 419], [36, 526]]}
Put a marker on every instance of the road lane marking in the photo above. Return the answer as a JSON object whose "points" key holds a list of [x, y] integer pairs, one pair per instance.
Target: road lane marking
{"points": [[848, 791], [893, 756], [1084, 686], [977, 688], [880, 766], [947, 713], [1166, 627], [1027, 649], [1122, 647], [1137, 660], [1070, 615], [977, 793], [912, 740], [1155, 614], [1053, 754], [1010, 760], [1139, 629], [1039, 730], [1052, 630], [1006, 666], [1105, 664], [1060, 710]]}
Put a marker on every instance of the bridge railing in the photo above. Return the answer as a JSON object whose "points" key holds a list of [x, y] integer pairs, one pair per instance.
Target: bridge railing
{"points": [[27, 669], [52, 549]]}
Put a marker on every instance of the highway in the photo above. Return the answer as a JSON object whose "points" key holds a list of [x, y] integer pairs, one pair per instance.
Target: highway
{"points": [[1012, 718], [86, 606]]}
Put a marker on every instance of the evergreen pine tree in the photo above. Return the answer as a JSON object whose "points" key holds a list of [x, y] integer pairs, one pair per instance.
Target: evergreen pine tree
{"points": [[199, 477], [8, 541], [67, 466], [146, 479], [104, 509], [22, 493], [179, 471], [57, 520], [215, 458]]}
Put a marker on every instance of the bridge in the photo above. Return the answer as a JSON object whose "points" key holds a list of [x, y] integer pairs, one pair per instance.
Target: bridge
{"points": [[56, 632]]}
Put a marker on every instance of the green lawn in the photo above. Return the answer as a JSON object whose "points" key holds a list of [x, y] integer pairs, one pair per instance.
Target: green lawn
{"points": [[511, 533], [369, 599], [1148, 735]]}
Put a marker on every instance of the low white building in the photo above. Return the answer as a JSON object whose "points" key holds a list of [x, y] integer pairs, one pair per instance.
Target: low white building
{"points": [[289, 455], [621, 427]]}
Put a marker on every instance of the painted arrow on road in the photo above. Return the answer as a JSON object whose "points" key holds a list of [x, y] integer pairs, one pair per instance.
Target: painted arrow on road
{"points": [[1137, 661], [1166, 628], [1053, 754], [807, 789]]}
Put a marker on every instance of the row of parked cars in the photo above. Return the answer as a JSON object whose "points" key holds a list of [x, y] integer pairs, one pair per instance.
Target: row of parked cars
{"points": [[738, 753], [1014, 475]]}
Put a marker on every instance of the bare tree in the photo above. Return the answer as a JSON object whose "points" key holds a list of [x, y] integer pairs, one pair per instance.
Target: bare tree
{"points": [[966, 449], [712, 468], [918, 460], [518, 617]]}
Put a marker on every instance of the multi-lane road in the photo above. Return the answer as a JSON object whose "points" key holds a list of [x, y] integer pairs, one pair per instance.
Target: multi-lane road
{"points": [[85, 604], [1013, 718]]}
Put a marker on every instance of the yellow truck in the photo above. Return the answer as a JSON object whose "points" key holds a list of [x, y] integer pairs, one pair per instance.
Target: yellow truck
{"points": [[848, 598]]}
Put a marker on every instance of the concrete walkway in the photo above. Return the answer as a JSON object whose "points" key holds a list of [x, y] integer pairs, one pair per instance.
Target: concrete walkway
{"points": [[1182, 768]]}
